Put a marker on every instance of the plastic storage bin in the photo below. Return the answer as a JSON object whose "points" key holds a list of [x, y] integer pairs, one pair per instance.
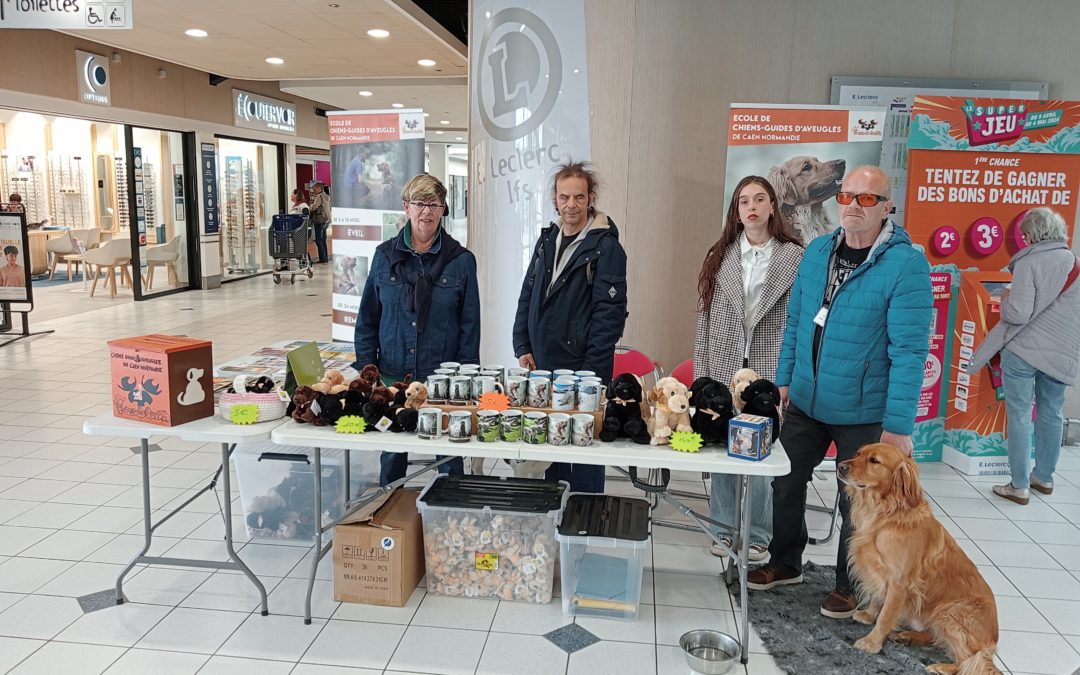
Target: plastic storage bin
{"points": [[603, 543], [491, 537], [277, 487]]}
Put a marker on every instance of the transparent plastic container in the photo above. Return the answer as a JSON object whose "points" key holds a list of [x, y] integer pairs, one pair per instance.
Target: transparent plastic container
{"points": [[491, 537], [603, 544], [277, 487]]}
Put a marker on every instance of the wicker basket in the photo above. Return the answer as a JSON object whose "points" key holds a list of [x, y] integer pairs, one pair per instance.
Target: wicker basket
{"points": [[271, 406]]}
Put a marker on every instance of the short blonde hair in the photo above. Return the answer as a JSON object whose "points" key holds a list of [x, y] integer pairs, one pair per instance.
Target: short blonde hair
{"points": [[1043, 224], [423, 186]]}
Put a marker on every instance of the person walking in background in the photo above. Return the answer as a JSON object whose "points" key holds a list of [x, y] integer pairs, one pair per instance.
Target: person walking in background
{"points": [[743, 291], [420, 305], [320, 218], [1038, 337], [858, 331], [298, 202], [572, 307]]}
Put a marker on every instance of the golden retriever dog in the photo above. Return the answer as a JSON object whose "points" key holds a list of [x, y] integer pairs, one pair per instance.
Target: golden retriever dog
{"points": [[911, 569], [802, 183]]}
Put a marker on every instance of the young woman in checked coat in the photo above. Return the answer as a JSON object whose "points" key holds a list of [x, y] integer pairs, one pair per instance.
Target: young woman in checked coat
{"points": [[743, 290]]}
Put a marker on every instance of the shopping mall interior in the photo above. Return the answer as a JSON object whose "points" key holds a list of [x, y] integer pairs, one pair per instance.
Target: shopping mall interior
{"points": [[151, 153]]}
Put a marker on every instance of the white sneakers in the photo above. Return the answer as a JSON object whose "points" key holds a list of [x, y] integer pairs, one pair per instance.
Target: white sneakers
{"points": [[759, 553]]}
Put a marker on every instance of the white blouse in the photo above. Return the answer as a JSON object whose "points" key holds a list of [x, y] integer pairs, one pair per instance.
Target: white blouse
{"points": [[755, 265]]}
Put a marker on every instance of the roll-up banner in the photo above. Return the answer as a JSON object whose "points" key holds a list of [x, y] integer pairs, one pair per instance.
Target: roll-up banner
{"points": [[373, 154], [15, 265], [529, 96], [804, 152]]}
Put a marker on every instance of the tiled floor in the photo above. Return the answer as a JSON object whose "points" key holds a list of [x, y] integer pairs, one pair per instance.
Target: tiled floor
{"points": [[70, 518]]}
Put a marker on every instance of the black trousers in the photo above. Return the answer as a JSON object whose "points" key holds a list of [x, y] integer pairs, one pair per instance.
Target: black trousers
{"points": [[806, 441]]}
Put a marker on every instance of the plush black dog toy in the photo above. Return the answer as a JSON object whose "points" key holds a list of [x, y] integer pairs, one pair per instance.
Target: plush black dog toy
{"points": [[713, 409], [623, 414], [763, 398]]}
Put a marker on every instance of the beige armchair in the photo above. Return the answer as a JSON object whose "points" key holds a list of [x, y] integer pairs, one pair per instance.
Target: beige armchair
{"points": [[90, 238], [165, 254], [110, 255], [57, 247]]}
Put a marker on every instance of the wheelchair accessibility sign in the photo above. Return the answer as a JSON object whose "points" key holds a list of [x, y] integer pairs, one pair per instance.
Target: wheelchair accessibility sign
{"points": [[66, 14]]}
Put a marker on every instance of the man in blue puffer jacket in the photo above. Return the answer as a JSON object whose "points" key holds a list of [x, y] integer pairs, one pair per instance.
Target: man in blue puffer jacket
{"points": [[852, 364]]}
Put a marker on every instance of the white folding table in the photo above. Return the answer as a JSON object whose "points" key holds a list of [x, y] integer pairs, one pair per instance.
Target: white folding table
{"points": [[618, 454], [208, 430]]}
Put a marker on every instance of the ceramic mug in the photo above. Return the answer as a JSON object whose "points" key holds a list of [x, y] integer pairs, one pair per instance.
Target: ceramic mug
{"points": [[534, 428], [438, 388], [540, 373], [584, 373], [485, 384], [561, 372], [559, 429], [589, 396], [488, 426], [562, 394], [460, 389], [498, 370], [451, 365], [511, 425], [469, 367], [429, 423], [517, 390], [539, 392], [446, 371], [460, 426], [517, 372], [582, 427]]}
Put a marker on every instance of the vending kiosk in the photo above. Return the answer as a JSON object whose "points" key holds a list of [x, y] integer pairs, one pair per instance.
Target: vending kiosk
{"points": [[975, 421]]}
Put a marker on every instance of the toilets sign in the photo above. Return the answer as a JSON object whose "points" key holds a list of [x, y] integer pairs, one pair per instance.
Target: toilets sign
{"points": [[66, 14]]}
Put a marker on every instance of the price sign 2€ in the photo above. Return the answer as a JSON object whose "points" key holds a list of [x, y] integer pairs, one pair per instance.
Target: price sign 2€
{"points": [[946, 240]]}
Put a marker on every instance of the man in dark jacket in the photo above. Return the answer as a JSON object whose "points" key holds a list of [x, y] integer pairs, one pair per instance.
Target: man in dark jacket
{"points": [[421, 304], [572, 307]]}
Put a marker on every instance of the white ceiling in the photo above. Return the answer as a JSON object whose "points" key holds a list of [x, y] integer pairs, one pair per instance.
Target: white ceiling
{"points": [[328, 54]]}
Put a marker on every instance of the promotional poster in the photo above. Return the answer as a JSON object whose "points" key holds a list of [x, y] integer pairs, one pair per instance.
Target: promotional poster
{"points": [[373, 154], [529, 98], [804, 152], [15, 265]]}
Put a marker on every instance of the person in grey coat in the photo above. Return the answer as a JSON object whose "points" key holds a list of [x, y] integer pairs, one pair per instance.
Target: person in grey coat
{"points": [[1038, 336]]}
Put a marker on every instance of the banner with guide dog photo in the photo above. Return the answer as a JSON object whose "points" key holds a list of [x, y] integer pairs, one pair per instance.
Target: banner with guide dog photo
{"points": [[373, 154], [804, 152]]}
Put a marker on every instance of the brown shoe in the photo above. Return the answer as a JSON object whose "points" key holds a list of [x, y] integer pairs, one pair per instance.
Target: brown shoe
{"points": [[839, 605], [764, 578]]}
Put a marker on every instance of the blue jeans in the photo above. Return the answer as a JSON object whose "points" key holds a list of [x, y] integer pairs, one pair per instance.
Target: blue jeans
{"points": [[320, 241], [396, 464], [1022, 382], [722, 506]]}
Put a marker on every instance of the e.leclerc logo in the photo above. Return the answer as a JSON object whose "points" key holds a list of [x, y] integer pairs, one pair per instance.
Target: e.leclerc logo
{"points": [[520, 72]]}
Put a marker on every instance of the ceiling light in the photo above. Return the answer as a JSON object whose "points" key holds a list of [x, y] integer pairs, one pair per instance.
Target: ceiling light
{"points": [[275, 60], [444, 121], [333, 5], [397, 105], [439, 132], [427, 63], [427, 114], [378, 33], [364, 92], [195, 32]]}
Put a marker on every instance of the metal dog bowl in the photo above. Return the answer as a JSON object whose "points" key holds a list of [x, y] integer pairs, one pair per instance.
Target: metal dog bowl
{"points": [[710, 651]]}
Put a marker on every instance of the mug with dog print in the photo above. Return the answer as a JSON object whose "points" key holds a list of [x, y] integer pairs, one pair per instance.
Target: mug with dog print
{"points": [[460, 426], [460, 389], [563, 396], [558, 429], [540, 373], [438, 388], [582, 427], [429, 423], [561, 372], [590, 395], [539, 392], [488, 424], [511, 425], [451, 365], [534, 429], [517, 390], [584, 373], [485, 384], [517, 372]]}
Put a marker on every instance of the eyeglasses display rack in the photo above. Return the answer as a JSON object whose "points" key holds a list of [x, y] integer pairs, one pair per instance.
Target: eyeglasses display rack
{"points": [[22, 175], [68, 194], [123, 217], [150, 198], [241, 226]]}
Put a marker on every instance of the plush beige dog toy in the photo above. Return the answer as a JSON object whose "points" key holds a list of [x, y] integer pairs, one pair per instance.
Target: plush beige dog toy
{"points": [[671, 410], [741, 380]]}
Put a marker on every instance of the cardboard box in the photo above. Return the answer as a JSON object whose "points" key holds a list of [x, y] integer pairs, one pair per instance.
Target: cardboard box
{"points": [[750, 437], [379, 552], [162, 379]]}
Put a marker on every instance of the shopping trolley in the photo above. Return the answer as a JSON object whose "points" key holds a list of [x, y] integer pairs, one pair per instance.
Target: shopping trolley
{"points": [[289, 234]]}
